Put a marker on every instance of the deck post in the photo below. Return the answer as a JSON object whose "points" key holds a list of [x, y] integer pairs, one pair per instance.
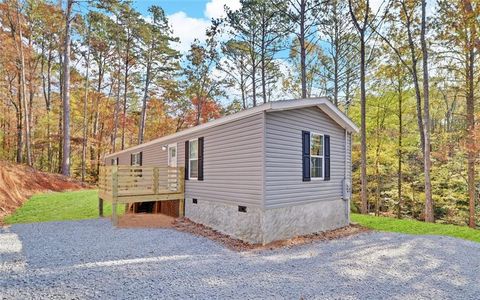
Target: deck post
{"points": [[181, 208], [101, 188], [181, 189], [114, 194], [100, 207], [155, 180]]}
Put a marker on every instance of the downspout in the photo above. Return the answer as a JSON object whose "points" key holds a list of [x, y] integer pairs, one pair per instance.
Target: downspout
{"points": [[345, 183]]}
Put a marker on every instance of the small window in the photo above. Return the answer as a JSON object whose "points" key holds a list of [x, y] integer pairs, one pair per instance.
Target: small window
{"points": [[316, 155], [193, 159], [114, 161], [137, 159]]}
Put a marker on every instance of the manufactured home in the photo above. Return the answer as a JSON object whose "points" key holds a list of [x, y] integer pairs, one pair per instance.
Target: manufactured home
{"points": [[267, 173]]}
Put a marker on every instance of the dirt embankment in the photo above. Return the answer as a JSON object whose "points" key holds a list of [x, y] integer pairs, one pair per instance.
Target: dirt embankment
{"points": [[19, 182]]}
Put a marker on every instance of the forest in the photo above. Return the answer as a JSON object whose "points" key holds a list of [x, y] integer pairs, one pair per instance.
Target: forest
{"points": [[81, 79]]}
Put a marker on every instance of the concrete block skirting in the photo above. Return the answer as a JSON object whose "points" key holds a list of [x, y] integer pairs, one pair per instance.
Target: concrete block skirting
{"points": [[264, 226], [287, 222], [227, 219]]}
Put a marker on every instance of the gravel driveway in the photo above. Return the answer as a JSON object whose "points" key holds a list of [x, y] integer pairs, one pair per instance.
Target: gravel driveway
{"points": [[90, 259]]}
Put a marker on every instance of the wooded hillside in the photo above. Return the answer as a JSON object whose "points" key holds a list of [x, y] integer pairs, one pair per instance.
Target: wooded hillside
{"points": [[79, 79]]}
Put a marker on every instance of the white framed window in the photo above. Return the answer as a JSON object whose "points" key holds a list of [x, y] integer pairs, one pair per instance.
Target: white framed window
{"points": [[193, 159], [316, 156], [136, 159], [115, 161]]}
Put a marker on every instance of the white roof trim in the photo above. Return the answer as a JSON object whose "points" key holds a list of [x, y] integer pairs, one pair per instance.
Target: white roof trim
{"points": [[323, 103]]}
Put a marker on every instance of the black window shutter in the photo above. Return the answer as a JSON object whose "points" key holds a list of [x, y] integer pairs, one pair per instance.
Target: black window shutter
{"points": [[186, 159], [141, 158], [326, 155], [118, 161], [306, 155], [200, 158], [131, 159]]}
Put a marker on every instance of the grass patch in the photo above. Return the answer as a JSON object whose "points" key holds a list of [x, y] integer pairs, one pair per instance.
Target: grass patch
{"points": [[416, 227], [61, 206]]}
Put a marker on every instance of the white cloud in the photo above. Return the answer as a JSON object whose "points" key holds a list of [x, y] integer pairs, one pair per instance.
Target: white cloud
{"points": [[215, 8], [187, 29]]}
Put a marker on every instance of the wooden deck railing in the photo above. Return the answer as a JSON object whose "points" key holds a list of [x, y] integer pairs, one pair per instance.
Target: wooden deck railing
{"points": [[131, 184]]}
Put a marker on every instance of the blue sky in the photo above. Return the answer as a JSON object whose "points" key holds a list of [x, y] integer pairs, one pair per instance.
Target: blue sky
{"points": [[188, 18], [193, 8]]}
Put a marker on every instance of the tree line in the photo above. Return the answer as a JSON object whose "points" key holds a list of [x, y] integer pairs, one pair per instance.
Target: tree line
{"points": [[80, 79]]}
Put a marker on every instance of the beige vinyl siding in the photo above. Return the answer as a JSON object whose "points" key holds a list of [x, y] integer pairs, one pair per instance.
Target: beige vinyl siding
{"points": [[233, 160], [283, 162], [123, 159]]}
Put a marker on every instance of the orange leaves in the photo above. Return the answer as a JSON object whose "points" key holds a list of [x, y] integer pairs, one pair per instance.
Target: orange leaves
{"points": [[204, 110], [159, 123]]}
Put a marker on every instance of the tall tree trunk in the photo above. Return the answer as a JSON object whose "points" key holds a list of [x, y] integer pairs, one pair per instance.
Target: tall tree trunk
{"points": [[303, 54], [19, 123], [254, 86], [60, 112], [429, 216], [66, 92], [471, 152], [414, 73], [46, 86], [472, 43], [85, 104], [125, 91], [242, 86], [418, 98], [264, 82], [48, 102], [32, 70], [100, 139], [143, 117], [377, 163], [97, 99], [262, 57], [117, 97], [347, 91], [363, 125], [336, 57], [23, 90], [115, 113], [363, 103], [400, 153]]}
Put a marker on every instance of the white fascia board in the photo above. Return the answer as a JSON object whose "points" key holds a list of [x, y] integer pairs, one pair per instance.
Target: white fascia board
{"points": [[216, 122], [323, 103]]}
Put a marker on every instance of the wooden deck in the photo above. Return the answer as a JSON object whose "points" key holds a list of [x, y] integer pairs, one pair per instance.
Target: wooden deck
{"points": [[132, 184]]}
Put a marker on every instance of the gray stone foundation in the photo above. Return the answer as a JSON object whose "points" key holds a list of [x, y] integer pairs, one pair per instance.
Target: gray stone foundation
{"points": [[264, 226]]}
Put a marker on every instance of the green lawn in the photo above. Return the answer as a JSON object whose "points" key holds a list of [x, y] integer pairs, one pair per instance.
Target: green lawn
{"points": [[416, 227], [76, 205], [84, 205]]}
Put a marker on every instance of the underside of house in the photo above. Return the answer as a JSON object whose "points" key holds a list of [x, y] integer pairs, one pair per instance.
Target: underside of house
{"points": [[267, 173]]}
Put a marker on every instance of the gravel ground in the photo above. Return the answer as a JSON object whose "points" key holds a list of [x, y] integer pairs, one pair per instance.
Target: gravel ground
{"points": [[90, 259]]}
